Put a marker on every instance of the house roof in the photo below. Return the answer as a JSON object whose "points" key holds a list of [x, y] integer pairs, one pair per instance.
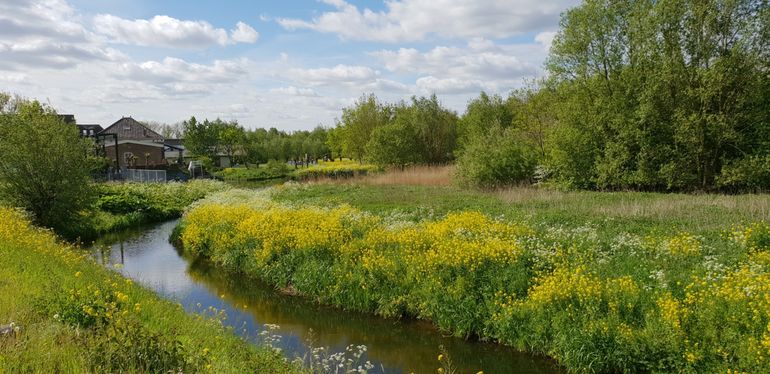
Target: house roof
{"points": [[90, 126], [129, 128], [175, 142]]}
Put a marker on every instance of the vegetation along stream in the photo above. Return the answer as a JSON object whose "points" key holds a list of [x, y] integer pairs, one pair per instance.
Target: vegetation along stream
{"points": [[393, 346]]}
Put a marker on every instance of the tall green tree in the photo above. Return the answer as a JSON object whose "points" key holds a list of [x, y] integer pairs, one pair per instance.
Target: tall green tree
{"points": [[359, 121], [44, 164], [658, 94]]}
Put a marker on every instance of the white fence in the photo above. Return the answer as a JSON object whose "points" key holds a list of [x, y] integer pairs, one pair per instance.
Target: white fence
{"points": [[139, 175]]}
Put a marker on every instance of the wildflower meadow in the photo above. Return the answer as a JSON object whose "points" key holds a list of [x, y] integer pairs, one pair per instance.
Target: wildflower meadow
{"points": [[628, 302]]}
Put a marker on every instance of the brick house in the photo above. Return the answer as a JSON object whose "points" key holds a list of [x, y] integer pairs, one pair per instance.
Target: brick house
{"points": [[137, 144]]}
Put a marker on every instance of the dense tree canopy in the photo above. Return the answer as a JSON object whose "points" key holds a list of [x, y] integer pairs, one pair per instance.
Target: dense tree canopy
{"points": [[654, 95], [45, 165]]}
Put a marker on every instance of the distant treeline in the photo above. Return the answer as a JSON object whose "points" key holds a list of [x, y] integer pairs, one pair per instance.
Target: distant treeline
{"points": [[645, 95]]}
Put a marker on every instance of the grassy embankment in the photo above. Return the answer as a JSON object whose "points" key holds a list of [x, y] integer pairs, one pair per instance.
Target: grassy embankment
{"points": [[119, 206], [324, 169], [599, 281], [75, 316]]}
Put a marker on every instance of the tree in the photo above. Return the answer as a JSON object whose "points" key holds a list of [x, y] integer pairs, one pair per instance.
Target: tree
{"points": [[394, 144], [481, 114], [359, 121], [436, 129], [667, 92], [44, 163], [495, 159]]}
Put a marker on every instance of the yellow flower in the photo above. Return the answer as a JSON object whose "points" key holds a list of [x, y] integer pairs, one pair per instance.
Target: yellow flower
{"points": [[440, 357], [78, 274]]}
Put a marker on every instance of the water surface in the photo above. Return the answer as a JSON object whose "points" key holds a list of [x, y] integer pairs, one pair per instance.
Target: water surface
{"points": [[394, 346]]}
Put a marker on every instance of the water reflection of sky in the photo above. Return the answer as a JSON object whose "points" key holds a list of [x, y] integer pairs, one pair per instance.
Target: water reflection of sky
{"points": [[394, 346]]}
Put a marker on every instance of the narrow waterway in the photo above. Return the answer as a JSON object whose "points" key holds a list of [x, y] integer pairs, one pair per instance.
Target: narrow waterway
{"points": [[394, 346]]}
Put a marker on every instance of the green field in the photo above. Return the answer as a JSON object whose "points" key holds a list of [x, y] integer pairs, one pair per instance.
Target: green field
{"points": [[610, 212]]}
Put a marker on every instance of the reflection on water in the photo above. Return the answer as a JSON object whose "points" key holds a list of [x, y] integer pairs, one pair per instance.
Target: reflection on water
{"points": [[395, 346]]}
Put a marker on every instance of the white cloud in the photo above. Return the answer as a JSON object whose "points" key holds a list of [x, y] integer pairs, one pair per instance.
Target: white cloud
{"points": [[294, 91], [545, 38], [174, 70], [414, 20], [480, 65], [244, 33], [340, 74], [165, 31], [46, 34], [430, 85]]}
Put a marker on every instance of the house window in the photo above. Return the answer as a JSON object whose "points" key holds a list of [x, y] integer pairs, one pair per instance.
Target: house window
{"points": [[128, 158]]}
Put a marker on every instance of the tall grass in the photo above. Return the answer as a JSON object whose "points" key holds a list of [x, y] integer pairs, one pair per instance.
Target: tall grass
{"points": [[76, 317]]}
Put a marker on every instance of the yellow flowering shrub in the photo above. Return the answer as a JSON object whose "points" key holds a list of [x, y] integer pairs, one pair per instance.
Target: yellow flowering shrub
{"points": [[754, 237], [684, 244]]}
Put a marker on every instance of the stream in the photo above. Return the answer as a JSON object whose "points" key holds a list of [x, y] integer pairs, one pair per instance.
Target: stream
{"points": [[393, 346]]}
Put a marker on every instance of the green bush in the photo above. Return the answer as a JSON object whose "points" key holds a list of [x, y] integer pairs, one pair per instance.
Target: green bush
{"points": [[749, 173], [498, 158]]}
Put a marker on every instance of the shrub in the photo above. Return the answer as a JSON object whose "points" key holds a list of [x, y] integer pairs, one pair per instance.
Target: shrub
{"points": [[498, 158]]}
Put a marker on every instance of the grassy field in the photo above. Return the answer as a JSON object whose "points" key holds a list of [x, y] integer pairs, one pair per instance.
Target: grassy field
{"points": [[602, 282], [612, 212], [74, 316], [335, 169]]}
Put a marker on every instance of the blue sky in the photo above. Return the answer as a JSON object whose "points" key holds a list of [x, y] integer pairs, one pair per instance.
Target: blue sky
{"points": [[291, 64]]}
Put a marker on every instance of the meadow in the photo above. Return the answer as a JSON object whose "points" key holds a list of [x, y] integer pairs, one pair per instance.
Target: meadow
{"points": [[601, 282], [334, 169], [72, 315]]}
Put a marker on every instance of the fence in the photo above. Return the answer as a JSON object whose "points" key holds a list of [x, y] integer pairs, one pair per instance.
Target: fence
{"points": [[140, 175]]}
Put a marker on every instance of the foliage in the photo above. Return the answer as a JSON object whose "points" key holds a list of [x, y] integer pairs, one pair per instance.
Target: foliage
{"points": [[658, 94], [422, 131], [124, 205], [77, 316], [157, 201], [44, 164], [212, 138], [672, 302], [496, 159], [393, 145], [358, 123], [273, 169], [334, 169], [749, 173]]}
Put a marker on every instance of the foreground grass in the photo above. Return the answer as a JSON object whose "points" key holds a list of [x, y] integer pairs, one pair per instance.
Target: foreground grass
{"points": [[600, 282], [76, 316]]}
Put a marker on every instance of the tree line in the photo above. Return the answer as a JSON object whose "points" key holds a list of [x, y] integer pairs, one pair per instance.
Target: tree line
{"points": [[647, 95]]}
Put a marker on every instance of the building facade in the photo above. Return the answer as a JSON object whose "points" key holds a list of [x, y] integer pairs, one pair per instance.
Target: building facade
{"points": [[137, 145]]}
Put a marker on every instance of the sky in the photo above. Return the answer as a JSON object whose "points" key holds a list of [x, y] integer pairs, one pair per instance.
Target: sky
{"points": [[289, 64]]}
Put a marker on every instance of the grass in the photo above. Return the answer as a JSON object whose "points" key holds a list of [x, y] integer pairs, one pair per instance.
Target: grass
{"points": [[420, 175], [614, 212], [120, 206], [601, 282], [77, 316]]}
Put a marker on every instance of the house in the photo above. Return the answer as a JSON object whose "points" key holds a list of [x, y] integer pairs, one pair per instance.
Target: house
{"points": [[89, 130], [174, 150], [137, 145]]}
